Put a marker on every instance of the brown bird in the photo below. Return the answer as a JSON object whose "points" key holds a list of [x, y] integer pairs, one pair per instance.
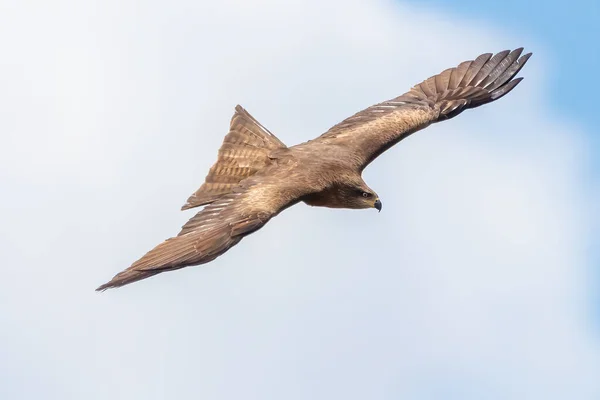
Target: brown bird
{"points": [[256, 176]]}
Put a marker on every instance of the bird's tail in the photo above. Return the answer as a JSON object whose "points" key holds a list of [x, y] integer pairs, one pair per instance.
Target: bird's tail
{"points": [[245, 150]]}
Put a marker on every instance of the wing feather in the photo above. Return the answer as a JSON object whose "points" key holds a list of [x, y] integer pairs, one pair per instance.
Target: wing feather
{"points": [[458, 74], [484, 72], [471, 84], [442, 81], [501, 67], [474, 69], [211, 232]]}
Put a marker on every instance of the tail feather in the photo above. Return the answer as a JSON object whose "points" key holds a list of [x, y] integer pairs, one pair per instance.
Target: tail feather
{"points": [[245, 150]]}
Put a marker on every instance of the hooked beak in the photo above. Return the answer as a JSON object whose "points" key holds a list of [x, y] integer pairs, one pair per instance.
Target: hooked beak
{"points": [[377, 205]]}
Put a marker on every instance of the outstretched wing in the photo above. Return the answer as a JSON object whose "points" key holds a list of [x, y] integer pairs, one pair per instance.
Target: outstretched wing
{"points": [[213, 231], [471, 84]]}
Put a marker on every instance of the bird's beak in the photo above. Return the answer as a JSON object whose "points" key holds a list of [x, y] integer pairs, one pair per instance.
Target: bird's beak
{"points": [[377, 205]]}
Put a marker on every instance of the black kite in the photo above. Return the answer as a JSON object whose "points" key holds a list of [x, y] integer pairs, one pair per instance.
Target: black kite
{"points": [[256, 176]]}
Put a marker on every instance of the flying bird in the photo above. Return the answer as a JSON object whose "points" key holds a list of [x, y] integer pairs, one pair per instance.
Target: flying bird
{"points": [[256, 176]]}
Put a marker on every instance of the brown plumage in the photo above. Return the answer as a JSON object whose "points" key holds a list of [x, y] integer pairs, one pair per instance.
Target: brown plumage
{"points": [[256, 176]]}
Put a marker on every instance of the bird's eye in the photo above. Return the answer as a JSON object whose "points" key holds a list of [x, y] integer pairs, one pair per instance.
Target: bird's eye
{"points": [[365, 194]]}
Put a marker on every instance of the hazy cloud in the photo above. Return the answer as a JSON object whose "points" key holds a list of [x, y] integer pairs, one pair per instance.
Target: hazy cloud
{"points": [[472, 283]]}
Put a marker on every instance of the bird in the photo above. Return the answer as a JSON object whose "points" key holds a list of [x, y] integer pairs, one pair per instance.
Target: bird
{"points": [[256, 176]]}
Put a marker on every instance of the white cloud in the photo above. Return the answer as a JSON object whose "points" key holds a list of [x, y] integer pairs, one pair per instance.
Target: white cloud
{"points": [[471, 283]]}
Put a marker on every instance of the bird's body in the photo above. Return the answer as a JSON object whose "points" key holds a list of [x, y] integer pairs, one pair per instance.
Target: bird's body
{"points": [[256, 176]]}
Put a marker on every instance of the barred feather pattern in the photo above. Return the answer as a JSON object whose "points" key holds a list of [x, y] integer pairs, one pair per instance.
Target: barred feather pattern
{"points": [[210, 233], [252, 181], [244, 151], [370, 132], [472, 83]]}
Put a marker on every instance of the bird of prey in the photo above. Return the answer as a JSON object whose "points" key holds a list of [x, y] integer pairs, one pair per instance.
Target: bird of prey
{"points": [[256, 176]]}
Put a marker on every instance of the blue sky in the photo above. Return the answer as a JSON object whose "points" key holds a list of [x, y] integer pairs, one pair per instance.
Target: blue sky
{"points": [[471, 283], [569, 29]]}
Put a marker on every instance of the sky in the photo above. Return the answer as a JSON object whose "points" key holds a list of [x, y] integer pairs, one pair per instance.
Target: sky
{"points": [[570, 29], [477, 280]]}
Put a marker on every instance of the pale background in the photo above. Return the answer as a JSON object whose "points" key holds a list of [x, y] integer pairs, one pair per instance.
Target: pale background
{"points": [[476, 281]]}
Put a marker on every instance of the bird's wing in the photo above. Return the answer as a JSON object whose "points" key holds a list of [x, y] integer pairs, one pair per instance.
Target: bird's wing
{"points": [[214, 230], [471, 84]]}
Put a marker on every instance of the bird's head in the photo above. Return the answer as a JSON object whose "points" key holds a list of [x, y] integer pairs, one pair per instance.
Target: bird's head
{"points": [[359, 195]]}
